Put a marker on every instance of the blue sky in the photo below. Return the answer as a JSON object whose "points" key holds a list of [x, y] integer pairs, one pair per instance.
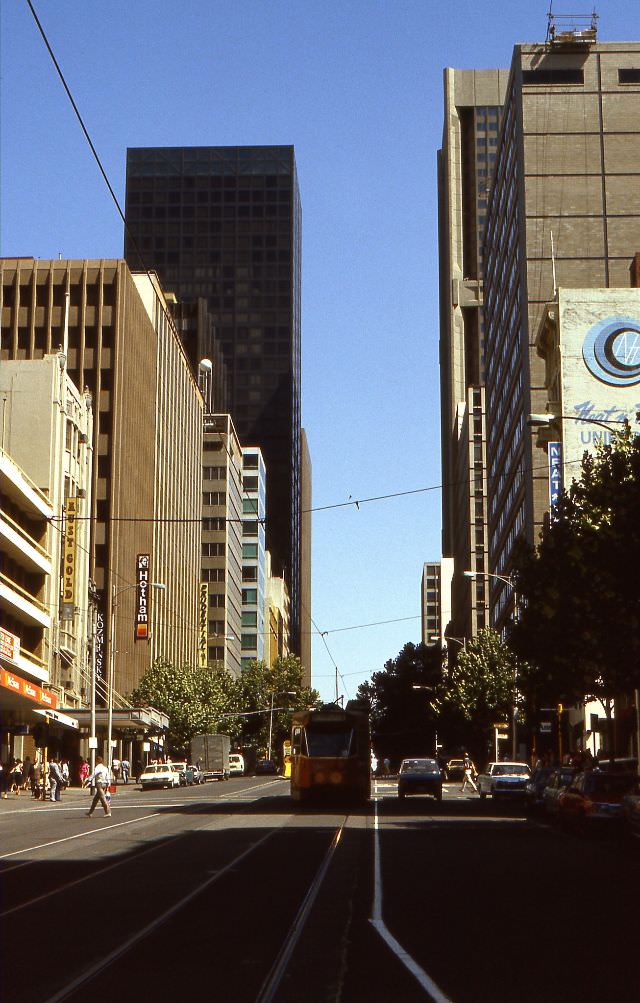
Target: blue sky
{"points": [[356, 87]]}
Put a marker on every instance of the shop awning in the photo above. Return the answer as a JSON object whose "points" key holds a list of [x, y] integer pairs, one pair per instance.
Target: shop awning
{"points": [[58, 717]]}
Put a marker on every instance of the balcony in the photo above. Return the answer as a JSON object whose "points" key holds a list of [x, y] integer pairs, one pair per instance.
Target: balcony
{"points": [[17, 485], [21, 604], [22, 548]]}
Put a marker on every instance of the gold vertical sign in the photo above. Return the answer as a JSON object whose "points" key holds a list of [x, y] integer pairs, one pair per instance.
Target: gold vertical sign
{"points": [[69, 563], [202, 625]]}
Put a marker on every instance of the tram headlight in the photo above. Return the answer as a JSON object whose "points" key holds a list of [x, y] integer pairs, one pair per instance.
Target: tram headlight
{"points": [[336, 778], [319, 777]]}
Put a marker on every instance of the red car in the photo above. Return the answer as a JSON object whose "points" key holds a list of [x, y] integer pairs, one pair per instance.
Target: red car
{"points": [[594, 796]]}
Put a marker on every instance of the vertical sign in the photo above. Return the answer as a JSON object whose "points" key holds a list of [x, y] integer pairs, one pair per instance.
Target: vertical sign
{"points": [[99, 643], [203, 612], [69, 561], [555, 475], [142, 598]]}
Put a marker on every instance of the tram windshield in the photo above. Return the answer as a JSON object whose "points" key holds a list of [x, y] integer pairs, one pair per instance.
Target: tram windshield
{"points": [[330, 742]]}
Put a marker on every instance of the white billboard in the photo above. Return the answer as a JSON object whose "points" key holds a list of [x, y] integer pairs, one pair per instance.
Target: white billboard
{"points": [[599, 332]]}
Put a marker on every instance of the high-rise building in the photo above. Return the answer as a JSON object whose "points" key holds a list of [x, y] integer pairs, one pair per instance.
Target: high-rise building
{"points": [[120, 344], [222, 493], [253, 555], [472, 112], [223, 225], [563, 211], [435, 600]]}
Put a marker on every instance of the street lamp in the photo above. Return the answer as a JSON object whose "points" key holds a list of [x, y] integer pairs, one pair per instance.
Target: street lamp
{"points": [[462, 641], [115, 592], [274, 693]]}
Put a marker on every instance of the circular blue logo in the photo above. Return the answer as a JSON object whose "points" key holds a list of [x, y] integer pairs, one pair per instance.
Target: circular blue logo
{"points": [[611, 351]]}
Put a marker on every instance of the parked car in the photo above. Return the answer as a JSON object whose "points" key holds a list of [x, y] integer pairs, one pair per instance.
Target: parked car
{"points": [[535, 788], [504, 780], [455, 769], [236, 764], [184, 777], [594, 797], [556, 785], [159, 775], [266, 768], [420, 776], [631, 810]]}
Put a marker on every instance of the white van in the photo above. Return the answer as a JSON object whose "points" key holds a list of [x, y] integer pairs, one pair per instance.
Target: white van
{"points": [[236, 764]]}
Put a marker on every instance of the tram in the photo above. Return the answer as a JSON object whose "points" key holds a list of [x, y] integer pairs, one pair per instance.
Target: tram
{"points": [[331, 754]]}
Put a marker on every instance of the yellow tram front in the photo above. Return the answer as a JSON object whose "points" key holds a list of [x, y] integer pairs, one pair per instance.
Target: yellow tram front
{"points": [[330, 755]]}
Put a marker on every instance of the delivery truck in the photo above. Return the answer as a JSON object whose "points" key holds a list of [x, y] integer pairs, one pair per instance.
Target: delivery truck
{"points": [[211, 754]]}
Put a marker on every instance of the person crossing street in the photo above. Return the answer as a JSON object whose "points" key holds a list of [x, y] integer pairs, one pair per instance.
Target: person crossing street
{"points": [[469, 774], [100, 779]]}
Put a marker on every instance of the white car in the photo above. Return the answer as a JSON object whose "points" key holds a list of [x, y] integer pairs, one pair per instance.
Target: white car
{"points": [[159, 775], [236, 764], [504, 780]]}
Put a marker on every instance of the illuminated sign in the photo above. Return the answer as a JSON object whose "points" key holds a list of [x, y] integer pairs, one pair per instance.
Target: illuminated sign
{"points": [[69, 560], [142, 598], [203, 611]]}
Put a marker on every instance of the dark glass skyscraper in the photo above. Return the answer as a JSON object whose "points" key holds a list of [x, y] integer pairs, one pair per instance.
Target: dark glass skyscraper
{"points": [[223, 225]]}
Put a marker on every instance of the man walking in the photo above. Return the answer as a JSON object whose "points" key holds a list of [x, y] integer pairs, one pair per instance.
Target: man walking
{"points": [[100, 779], [469, 773], [125, 766]]}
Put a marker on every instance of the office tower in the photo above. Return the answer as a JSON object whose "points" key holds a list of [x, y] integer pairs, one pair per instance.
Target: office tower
{"points": [[119, 344], [563, 212], [472, 112], [223, 224], [306, 494], [222, 494], [254, 479], [435, 592]]}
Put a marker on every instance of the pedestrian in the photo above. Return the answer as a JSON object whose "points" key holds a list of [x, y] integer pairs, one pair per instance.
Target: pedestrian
{"points": [[469, 774], [55, 779], [17, 773], [115, 769], [4, 780], [386, 766], [36, 780], [84, 771], [374, 763], [100, 779], [125, 766], [26, 773], [64, 769]]}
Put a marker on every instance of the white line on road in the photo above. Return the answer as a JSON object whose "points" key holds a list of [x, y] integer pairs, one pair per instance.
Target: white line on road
{"points": [[79, 835], [378, 924], [126, 946]]}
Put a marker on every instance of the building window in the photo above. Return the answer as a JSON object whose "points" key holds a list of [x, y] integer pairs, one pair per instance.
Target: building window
{"points": [[249, 574], [249, 551], [248, 642], [249, 527], [250, 506], [250, 483], [249, 619], [249, 596]]}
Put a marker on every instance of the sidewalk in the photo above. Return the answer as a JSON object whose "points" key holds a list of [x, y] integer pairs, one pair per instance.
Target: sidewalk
{"points": [[73, 797]]}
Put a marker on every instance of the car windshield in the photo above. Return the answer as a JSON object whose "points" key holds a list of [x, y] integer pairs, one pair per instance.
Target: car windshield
{"points": [[329, 742], [510, 770], [178, 766], [420, 765]]}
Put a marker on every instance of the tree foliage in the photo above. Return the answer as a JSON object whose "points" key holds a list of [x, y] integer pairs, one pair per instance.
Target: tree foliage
{"points": [[404, 720], [580, 619], [200, 701], [482, 685]]}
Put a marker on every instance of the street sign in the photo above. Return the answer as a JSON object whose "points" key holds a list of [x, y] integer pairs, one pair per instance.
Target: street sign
{"points": [[545, 727], [500, 724]]}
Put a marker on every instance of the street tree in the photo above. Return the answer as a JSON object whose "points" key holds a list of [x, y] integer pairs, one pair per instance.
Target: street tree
{"points": [[404, 720], [482, 686], [580, 617], [258, 688]]}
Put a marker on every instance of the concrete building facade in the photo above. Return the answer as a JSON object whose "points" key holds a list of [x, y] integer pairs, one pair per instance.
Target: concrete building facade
{"points": [[254, 555], [145, 399], [473, 102], [564, 211]]}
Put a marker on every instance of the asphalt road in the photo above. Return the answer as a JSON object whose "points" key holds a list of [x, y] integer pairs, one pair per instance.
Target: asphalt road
{"points": [[229, 891]]}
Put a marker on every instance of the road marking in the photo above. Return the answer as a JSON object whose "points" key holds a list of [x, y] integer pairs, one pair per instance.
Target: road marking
{"points": [[272, 982], [79, 835], [379, 925], [87, 877], [106, 960]]}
